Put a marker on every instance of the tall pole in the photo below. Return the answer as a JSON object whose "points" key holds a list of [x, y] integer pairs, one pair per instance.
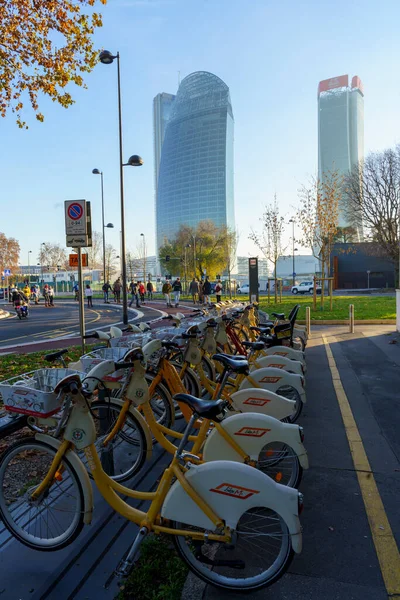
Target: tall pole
{"points": [[293, 272], [121, 178], [29, 268], [194, 255], [185, 270], [104, 230], [81, 300]]}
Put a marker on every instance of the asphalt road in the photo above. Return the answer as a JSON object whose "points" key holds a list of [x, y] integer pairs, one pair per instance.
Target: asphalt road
{"points": [[49, 323]]}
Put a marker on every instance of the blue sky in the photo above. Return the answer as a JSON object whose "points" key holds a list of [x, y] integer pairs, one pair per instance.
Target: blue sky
{"points": [[271, 55]]}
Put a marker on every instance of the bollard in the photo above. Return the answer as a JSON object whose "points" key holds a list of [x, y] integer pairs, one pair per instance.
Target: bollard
{"points": [[308, 321], [351, 318]]}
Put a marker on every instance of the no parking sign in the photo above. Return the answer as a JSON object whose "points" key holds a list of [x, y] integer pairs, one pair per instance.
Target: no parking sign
{"points": [[77, 223]]}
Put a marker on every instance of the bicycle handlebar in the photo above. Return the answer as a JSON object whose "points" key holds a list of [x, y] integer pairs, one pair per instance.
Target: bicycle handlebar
{"points": [[123, 365], [91, 335]]}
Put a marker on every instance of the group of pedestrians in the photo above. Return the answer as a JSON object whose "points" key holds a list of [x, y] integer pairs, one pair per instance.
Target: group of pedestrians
{"points": [[138, 292], [201, 291], [176, 288]]}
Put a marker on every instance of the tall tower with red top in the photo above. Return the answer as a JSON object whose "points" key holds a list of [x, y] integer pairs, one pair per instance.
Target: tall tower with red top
{"points": [[340, 131]]}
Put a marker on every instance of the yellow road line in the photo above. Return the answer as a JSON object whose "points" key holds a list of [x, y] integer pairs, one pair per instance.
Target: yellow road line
{"points": [[382, 535]]}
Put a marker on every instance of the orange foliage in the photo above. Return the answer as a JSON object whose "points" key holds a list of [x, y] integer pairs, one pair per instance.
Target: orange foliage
{"points": [[44, 45]]}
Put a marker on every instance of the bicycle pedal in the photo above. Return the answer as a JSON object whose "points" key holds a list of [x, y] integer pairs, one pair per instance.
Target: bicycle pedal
{"points": [[124, 568]]}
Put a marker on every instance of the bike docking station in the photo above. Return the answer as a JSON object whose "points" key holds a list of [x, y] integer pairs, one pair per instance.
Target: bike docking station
{"points": [[78, 231]]}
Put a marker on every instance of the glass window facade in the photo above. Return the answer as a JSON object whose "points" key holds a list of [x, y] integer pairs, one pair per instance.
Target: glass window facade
{"points": [[195, 180], [340, 131]]}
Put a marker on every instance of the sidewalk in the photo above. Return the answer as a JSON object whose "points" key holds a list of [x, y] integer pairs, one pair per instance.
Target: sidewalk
{"points": [[339, 560]]}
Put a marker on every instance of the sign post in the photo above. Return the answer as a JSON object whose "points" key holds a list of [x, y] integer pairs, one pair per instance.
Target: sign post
{"points": [[253, 279], [78, 231]]}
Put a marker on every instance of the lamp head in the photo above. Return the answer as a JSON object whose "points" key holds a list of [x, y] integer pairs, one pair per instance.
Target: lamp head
{"points": [[109, 225], [135, 161], [106, 57], [96, 172]]}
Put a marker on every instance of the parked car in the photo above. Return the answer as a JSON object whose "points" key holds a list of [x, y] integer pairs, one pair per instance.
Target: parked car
{"points": [[244, 289], [2, 294], [305, 287]]}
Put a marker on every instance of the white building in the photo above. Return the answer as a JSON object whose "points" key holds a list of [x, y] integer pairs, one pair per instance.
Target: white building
{"points": [[243, 268], [305, 266]]}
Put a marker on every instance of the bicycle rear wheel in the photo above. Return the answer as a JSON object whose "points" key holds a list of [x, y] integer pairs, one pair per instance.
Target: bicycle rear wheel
{"points": [[56, 518], [260, 553]]}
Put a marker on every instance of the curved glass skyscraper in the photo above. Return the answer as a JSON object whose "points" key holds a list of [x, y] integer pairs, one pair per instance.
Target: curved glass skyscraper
{"points": [[195, 179]]}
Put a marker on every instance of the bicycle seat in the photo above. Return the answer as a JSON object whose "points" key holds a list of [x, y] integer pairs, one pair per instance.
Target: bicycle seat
{"points": [[237, 366], [262, 329], [279, 316], [209, 409], [254, 345], [55, 355]]}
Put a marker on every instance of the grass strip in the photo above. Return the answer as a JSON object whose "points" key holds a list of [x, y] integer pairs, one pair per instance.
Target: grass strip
{"points": [[158, 575]]}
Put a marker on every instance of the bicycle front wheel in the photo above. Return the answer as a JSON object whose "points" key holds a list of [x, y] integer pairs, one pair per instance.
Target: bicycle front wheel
{"points": [[260, 553], [55, 519]]}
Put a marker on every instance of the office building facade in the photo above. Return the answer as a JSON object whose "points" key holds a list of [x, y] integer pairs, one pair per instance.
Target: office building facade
{"points": [[162, 105], [195, 175], [340, 132]]}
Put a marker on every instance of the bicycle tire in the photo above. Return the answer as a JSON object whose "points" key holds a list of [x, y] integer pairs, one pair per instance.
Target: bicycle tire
{"points": [[209, 368], [292, 394], [280, 462], [190, 381], [16, 514], [127, 450], [189, 551], [241, 333]]}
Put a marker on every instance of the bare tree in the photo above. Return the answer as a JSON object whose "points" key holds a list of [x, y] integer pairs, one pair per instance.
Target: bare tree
{"points": [[95, 259], [9, 253], [318, 215], [269, 241], [373, 195], [232, 241], [52, 256], [111, 261]]}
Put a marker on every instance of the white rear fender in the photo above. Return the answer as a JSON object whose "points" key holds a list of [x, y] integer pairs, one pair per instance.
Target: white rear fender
{"points": [[300, 333], [102, 335], [116, 332], [271, 378], [285, 351], [253, 431], [279, 362], [151, 347], [104, 368], [231, 489], [257, 400], [80, 471]]}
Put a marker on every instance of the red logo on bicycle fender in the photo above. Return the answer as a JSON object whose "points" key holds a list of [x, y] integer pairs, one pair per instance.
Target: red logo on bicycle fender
{"points": [[235, 491], [280, 354], [252, 431], [257, 401], [277, 366], [270, 379]]}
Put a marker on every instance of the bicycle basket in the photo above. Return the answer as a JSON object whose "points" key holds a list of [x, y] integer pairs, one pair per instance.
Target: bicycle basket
{"points": [[33, 393], [91, 359], [131, 340]]}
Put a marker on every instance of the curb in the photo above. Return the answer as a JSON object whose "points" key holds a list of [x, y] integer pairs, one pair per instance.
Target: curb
{"points": [[346, 322], [4, 314]]}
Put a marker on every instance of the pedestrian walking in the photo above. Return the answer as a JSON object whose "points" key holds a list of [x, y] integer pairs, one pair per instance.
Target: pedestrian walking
{"points": [[142, 291], [166, 290], [150, 290], [133, 288], [51, 296], [45, 293], [75, 289], [194, 289], [218, 290], [177, 289], [117, 291], [89, 295], [106, 290], [201, 293], [206, 291]]}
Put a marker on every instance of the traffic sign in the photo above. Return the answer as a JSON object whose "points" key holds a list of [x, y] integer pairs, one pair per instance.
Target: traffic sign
{"points": [[2, 278], [294, 274], [73, 260], [7, 272], [75, 218]]}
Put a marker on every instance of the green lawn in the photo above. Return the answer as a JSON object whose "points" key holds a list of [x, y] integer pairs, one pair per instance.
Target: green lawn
{"points": [[370, 307]]}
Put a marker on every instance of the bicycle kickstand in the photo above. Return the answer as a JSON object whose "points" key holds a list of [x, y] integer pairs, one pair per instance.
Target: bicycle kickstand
{"points": [[125, 565]]}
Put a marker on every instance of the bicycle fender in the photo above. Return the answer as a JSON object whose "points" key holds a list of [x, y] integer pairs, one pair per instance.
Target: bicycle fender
{"points": [[258, 400], [252, 431], [105, 367], [134, 411], [286, 351], [80, 471], [280, 362], [151, 347], [301, 334], [231, 489], [271, 378]]}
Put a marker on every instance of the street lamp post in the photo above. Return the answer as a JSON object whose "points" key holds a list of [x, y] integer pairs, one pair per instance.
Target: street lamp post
{"points": [[104, 227], [186, 247], [293, 272], [29, 268], [144, 257], [106, 57]]}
